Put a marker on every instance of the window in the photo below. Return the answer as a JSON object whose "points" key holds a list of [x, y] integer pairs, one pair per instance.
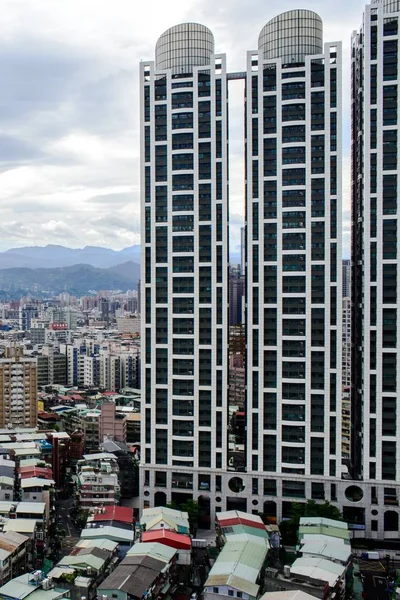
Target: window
{"points": [[239, 594], [215, 590], [230, 592]]}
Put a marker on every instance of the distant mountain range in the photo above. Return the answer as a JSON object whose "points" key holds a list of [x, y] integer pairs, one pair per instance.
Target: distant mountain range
{"points": [[78, 280], [50, 256]]}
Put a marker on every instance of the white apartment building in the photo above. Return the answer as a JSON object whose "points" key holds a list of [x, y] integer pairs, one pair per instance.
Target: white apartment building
{"points": [[376, 260], [184, 276], [298, 425]]}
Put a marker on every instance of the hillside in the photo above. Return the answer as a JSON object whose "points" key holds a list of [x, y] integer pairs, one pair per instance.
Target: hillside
{"points": [[50, 256], [79, 279]]}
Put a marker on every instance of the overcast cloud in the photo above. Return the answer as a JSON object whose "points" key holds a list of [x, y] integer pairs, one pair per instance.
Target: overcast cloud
{"points": [[69, 115]]}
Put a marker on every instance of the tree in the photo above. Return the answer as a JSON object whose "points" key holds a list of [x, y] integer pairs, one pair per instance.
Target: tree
{"points": [[313, 509], [192, 508]]}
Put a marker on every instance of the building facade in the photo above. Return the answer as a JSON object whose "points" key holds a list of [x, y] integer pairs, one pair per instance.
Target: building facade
{"points": [[375, 276], [293, 125], [184, 283], [18, 389]]}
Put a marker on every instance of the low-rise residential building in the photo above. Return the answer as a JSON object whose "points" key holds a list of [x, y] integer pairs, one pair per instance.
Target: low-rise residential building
{"points": [[322, 526], [312, 570], [6, 487], [7, 466], [128, 467], [32, 586], [13, 555], [89, 562], [95, 489], [160, 517], [238, 570], [181, 542], [120, 533], [146, 568], [121, 514], [324, 564], [85, 420]]}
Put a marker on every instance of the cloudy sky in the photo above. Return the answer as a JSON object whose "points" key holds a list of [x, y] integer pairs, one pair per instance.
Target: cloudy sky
{"points": [[69, 118]]}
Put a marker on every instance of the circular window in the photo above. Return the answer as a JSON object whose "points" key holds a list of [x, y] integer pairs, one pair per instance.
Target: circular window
{"points": [[218, 499], [147, 493], [236, 485], [374, 512], [254, 502], [354, 493]]}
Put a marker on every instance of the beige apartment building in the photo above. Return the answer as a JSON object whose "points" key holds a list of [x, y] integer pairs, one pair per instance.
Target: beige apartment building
{"points": [[18, 389]]}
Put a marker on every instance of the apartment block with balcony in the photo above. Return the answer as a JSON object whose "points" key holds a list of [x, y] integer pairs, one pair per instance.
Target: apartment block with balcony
{"points": [[18, 389]]}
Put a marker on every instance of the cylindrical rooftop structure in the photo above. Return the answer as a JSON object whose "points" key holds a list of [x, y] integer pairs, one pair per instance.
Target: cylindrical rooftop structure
{"points": [[291, 36], [183, 47]]}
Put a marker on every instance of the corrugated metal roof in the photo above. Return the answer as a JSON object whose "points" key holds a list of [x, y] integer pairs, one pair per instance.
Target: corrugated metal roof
{"points": [[175, 521], [236, 517], [324, 530], [4, 480], [247, 553], [327, 550], [134, 575], [322, 521], [177, 540], [30, 482], [238, 566], [20, 525], [11, 540], [20, 588], [113, 533], [31, 507], [153, 549], [318, 537], [238, 514], [247, 529], [89, 560], [124, 514], [318, 569], [244, 537], [102, 543], [234, 582]]}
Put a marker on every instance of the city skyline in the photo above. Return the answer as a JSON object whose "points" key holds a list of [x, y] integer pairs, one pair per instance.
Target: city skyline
{"points": [[70, 129]]}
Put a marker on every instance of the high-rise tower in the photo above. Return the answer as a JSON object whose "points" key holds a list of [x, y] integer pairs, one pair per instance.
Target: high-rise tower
{"points": [[376, 259], [293, 216], [184, 268]]}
